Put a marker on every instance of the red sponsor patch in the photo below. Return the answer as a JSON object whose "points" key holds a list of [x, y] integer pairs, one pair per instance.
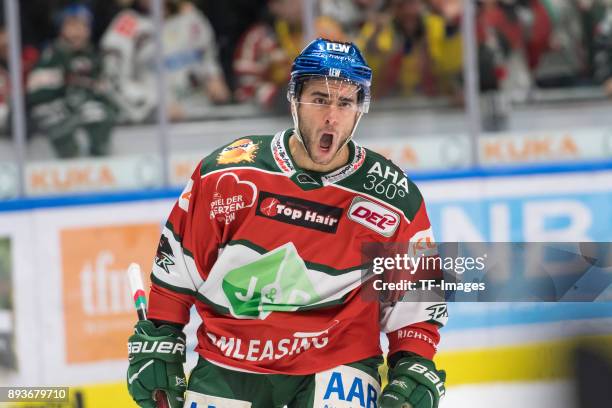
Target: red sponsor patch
{"points": [[297, 211], [231, 195]]}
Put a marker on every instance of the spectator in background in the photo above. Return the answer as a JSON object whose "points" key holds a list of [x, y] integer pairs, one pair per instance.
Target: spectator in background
{"points": [[593, 13], [193, 74], [447, 44], [105, 11], [128, 49], [603, 47], [230, 19], [352, 14], [415, 52], [503, 58], [556, 52], [29, 56], [263, 58], [66, 91], [5, 82]]}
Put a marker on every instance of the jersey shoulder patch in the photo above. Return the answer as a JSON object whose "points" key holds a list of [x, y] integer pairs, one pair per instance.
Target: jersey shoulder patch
{"points": [[248, 151]]}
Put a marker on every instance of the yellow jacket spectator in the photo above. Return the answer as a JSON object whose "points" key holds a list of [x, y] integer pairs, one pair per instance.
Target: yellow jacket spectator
{"points": [[414, 52]]}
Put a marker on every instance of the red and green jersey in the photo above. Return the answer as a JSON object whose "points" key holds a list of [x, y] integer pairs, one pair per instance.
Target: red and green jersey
{"points": [[271, 256]]}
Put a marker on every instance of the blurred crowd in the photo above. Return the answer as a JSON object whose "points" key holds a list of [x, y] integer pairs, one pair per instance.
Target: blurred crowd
{"points": [[90, 64]]}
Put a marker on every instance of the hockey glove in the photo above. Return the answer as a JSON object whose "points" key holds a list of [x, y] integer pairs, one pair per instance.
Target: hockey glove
{"points": [[413, 382], [156, 356]]}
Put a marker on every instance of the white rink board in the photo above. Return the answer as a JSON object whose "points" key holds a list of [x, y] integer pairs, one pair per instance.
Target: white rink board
{"points": [[557, 394], [37, 286], [37, 263]]}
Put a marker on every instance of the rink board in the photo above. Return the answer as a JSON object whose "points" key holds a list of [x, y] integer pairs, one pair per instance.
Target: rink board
{"points": [[131, 168], [68, 289]]}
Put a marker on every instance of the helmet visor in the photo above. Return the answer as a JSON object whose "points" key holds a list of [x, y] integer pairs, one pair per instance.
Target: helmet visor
{"points": [[326, 92]]}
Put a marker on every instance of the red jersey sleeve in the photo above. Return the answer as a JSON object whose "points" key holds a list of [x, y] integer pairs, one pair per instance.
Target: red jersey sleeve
{"points": [[186, 252], [412, 323]]}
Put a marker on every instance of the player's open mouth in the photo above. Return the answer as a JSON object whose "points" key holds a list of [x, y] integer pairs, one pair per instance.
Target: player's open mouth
{"points": [[326, 141]]}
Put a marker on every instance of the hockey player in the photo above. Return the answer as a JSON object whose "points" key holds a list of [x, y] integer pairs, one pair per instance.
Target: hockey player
{"points": [[67, 92], [266, 240]]}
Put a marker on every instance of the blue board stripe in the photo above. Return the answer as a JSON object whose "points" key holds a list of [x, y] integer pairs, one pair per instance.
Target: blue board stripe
{"points": [[481, 315], [88, 199], [30, 203]]}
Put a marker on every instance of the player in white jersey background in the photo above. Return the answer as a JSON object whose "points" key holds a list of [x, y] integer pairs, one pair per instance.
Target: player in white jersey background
{"points": [[190, 61]]}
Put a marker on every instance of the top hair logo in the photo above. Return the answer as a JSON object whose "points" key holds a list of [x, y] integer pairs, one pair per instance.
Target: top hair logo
{"points": [[296, 211]]}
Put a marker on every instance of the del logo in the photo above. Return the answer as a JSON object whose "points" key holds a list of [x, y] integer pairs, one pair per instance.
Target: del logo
{"points": [[374, 216], [242, 150], [231, 195], [291, 210]]}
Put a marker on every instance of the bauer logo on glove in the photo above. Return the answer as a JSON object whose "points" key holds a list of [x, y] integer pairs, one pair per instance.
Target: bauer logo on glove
{"points": [[162, 347], [414, 382]]}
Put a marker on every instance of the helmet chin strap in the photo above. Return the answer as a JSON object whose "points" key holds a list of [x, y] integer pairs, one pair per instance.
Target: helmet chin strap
{"points": [[348, 139], [296, 122], [296, 126]]}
